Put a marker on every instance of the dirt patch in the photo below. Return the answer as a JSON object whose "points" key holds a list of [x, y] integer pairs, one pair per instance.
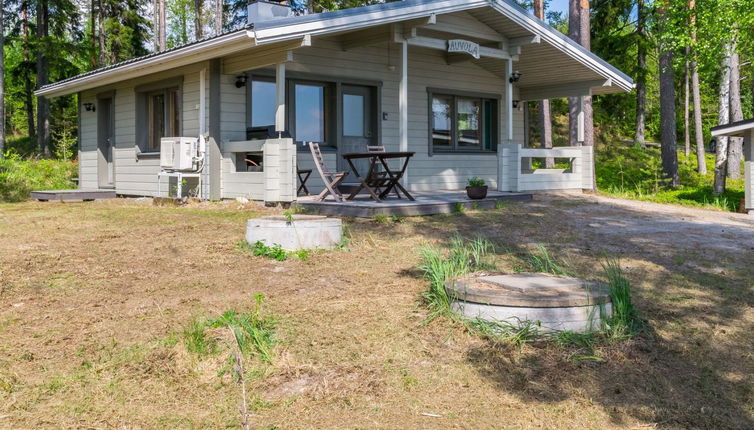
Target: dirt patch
{"points": [[94, 296]]}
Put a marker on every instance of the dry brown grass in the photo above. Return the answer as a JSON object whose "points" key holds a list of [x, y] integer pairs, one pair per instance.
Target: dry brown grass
{"points": [[93, 298]]}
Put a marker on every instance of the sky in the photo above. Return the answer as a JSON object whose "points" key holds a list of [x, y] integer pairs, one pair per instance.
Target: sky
{"points": [[559, 5]]}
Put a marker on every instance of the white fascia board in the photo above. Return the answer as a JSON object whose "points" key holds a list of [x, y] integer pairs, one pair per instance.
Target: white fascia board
{"points": [[733, 131], [190, 54], [353, 22], [578, 53]]}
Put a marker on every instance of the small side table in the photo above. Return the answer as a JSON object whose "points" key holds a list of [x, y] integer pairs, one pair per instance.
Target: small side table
{"points": [[303, 176]]}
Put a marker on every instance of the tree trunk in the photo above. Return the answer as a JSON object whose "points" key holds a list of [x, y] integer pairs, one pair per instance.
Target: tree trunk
{"points": [[573, 103], [101, 36], [28, 87], [156, 25], [585, 39], [198, 9], [545, 120], [686, 113], [701, 159], [735, 144], [219, 16], [641, 75], [723, 117], [2, 83], [163, 26], [667, 111], [93, 35], [43, 103]]}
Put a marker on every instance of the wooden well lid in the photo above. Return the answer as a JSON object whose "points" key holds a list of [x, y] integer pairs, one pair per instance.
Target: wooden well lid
{"points": [[535, 290]]}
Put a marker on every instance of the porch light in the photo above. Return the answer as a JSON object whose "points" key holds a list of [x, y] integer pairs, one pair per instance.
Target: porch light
{"points": [[515, 77], [516, 103], [241, 81], [89, 107]]}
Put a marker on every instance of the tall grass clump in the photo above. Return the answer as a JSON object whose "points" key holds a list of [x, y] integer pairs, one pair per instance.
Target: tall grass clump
{"points": [[542, 261], [625, 321], [439, 266], [19, 177], [253, 331]]}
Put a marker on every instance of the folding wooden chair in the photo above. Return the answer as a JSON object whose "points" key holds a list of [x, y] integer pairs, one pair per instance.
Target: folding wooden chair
{"points": [[330, 178], [379, 176]]}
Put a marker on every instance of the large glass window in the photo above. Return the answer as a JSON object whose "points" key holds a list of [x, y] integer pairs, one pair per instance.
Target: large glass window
{"points": [[462, 123], [164, 117], [310, 112], [262, 103]]}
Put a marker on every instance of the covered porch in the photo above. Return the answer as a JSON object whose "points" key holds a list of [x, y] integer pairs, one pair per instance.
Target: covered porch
{"points": [[424, 203]]}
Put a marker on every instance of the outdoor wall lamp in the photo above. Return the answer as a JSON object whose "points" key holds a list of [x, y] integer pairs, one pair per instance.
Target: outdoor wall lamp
{"points": [[516, 103], [90, 107], [515, 77], [241, 81]]}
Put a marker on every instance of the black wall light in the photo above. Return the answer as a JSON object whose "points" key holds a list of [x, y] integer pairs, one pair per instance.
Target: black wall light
{"points": [[90, 107], [515, 77], [516, 103], [241, 81]]}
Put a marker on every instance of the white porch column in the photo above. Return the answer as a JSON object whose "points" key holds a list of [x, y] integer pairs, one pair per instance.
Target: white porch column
{"points": [[403, 105], [503, 149], [580, 126], [749, 172], [280, 98]]}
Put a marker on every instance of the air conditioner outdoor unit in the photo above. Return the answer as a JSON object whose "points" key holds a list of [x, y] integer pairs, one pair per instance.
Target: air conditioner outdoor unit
{"points": [[179, 153]]}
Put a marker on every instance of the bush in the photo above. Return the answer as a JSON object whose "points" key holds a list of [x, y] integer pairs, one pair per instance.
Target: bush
{"points": [[19, 177]]}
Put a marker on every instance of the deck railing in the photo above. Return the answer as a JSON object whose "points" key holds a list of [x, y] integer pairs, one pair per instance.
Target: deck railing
{"points": [[517, 174]]}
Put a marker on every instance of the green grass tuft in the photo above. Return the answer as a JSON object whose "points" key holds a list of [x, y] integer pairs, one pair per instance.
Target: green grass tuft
{"points": [[541, 261], [625, 321]]}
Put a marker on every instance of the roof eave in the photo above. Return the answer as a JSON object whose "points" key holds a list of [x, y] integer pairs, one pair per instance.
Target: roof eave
{"points": [[200, 51]]}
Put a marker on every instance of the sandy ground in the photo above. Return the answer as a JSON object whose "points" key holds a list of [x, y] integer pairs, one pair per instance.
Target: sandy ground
{"points": [[94, 298]]}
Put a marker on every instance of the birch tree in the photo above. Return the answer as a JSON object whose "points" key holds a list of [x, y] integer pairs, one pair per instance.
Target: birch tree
{"points": [[723, 117], [735, 144], [198, 21], [701, 159]]}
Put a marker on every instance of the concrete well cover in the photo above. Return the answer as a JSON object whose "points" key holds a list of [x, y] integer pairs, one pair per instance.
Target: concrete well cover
{"points": [[528, 290]]}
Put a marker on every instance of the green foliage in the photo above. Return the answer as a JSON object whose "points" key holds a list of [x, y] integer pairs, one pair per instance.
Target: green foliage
{"points": [[380, 219], [541, 261], [254, 332], [460, 208], [636, 173], [275, 252], [475, 182], [516, 333], [19, 177], [624, 321], [464, 257]]}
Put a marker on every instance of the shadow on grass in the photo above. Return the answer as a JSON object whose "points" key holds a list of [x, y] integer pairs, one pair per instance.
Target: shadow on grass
{"points": [[685, 375]]}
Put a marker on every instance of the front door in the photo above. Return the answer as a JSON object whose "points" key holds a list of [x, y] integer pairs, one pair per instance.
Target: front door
{"points": [[358, 125], [105, 141]]}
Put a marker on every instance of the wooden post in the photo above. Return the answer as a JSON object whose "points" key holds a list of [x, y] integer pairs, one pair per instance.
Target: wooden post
{"points": [[280, 98], [403, 105]]}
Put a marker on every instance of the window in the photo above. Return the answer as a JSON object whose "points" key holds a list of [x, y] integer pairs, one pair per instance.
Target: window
{"points": [[309, 118], [463, 123], [262, 103]]}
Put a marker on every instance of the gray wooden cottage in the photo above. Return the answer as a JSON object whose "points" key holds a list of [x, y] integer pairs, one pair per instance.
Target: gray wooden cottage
{"points": [[442, 78], [744, 129]]}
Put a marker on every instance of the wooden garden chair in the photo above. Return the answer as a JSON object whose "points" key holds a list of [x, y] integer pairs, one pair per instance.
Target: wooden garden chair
{"points": [[379, 175], [331, 178]]}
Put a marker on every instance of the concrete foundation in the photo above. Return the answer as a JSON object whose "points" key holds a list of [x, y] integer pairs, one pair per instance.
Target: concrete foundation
{"points": [[299, 232], [555, 303]]}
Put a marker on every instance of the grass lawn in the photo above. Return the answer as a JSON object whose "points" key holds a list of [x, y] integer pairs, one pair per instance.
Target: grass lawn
{"points": [[115, 314]]}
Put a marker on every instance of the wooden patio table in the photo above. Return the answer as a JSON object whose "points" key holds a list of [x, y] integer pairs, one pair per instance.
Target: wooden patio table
{"points": [[375, 178]]}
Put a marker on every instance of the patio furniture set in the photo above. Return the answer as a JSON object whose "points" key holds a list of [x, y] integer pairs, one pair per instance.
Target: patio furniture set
{"points": [[379, 180]]}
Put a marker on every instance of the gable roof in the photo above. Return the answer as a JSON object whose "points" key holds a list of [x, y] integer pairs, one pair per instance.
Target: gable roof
{"points": [[270, 32]]}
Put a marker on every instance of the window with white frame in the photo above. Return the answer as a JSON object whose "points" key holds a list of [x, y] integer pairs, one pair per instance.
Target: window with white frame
{"points": [[462, 122]]}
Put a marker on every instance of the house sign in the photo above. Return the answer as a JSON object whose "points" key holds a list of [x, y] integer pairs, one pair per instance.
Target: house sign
{"points": [[465, 46]]}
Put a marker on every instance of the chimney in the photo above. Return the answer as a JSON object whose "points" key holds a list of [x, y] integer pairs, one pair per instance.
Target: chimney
{"points": [[266, 10]]}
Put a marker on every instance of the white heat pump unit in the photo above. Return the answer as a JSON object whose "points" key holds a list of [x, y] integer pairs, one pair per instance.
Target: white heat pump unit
{"points": [[179, 154]]}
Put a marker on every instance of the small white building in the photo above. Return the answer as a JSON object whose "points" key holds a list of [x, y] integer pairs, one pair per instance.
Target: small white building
{"points": [[743, 129], [442, 78]]}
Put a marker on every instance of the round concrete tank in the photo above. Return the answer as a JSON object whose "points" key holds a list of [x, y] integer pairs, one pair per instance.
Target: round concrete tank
{"points": [[296, 232], [556, 303]]}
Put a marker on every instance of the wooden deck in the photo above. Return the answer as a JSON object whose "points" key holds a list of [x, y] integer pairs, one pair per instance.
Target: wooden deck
{"points": [[73, 195], [426, 203]]}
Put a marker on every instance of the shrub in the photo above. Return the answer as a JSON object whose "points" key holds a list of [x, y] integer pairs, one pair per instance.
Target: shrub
{"points": [[19, 177]]}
